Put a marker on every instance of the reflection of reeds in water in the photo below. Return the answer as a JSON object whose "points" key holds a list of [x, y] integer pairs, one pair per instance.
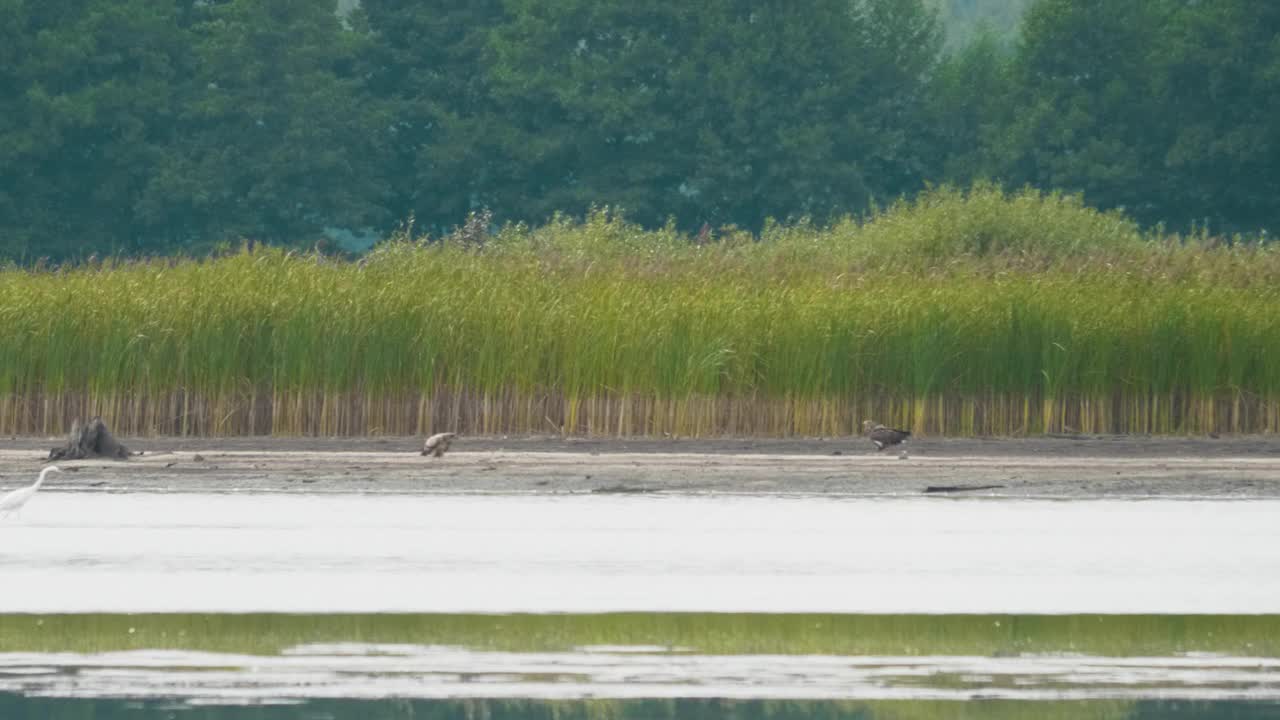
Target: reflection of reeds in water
{"points": [[880, 636], [959, 315], [649, 709], [706, 633]]}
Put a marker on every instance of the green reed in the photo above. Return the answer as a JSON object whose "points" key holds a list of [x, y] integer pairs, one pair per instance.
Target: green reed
{"points": [[961, 313], [707, 633]]}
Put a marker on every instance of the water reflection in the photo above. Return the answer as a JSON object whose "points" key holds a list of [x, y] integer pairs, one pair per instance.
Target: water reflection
{"points": [[360, 671], [18, 708], [705, 633]]}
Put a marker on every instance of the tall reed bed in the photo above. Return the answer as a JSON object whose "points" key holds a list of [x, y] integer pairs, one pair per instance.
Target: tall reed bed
{"points": [[951, 315]]}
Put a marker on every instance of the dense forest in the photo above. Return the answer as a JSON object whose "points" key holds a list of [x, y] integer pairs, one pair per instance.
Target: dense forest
{"points": [[605, 217], [160, 126]]}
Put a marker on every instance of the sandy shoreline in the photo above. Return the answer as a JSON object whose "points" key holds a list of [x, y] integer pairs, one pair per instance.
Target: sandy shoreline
{"points": [[1055, 467]]}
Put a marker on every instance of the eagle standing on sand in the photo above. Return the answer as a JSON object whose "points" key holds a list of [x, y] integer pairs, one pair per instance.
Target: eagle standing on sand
{"points": [[882, 436], [438, 443]]}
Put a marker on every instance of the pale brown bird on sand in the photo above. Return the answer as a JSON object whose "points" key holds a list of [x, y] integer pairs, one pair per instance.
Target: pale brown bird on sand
{"points": [[437, 444], [883, 436]]}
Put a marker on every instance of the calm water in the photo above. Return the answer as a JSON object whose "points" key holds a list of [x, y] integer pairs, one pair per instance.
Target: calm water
{"points": [[13, 708], [1168, 563], [371, 672], [75, 552]]}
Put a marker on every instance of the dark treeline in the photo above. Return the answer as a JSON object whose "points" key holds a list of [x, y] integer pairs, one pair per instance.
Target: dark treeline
{"points": [[156, 126]]}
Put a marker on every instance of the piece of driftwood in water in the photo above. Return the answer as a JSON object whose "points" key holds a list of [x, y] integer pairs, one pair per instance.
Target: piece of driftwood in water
{"points": [[623, 489], [959, 488], [90, 440]]}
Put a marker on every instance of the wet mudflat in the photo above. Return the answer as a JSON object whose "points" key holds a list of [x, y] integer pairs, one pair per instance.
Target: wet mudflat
{"points": [[1063, 468]]}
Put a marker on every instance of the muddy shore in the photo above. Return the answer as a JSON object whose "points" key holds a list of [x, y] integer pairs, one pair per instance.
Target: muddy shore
{"points": [[1075, 467]]}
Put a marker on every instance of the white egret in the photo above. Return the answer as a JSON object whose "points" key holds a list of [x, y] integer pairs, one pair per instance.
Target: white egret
{"points": [[12, 503], [883, 436], [437, 444]]}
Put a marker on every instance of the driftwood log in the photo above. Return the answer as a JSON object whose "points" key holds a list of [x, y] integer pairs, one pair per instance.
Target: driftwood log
{"points": [[959, 488], [90, 440]]}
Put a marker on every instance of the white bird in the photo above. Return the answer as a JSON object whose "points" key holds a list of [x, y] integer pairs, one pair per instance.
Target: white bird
{"points": [[12, 503], [438, 443]]}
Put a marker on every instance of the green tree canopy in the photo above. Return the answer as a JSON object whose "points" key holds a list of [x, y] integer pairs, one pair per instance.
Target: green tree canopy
{"points": [[277, 137], [971, 93], [1221, 86], [721, 111], [428, 64], [152, 126], [1163, 108], [87, 89], [1086, 116]]}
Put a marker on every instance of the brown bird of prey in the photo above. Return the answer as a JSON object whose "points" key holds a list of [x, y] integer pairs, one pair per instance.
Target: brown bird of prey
{"points": [[438, 443], [882, 436]]}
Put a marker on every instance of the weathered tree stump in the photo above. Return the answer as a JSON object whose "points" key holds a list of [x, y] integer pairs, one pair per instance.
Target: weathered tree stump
{"points": [[90, 440]]}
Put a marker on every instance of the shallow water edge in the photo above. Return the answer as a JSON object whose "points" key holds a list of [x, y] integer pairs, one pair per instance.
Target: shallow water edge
{"points": [[535, 662]]}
